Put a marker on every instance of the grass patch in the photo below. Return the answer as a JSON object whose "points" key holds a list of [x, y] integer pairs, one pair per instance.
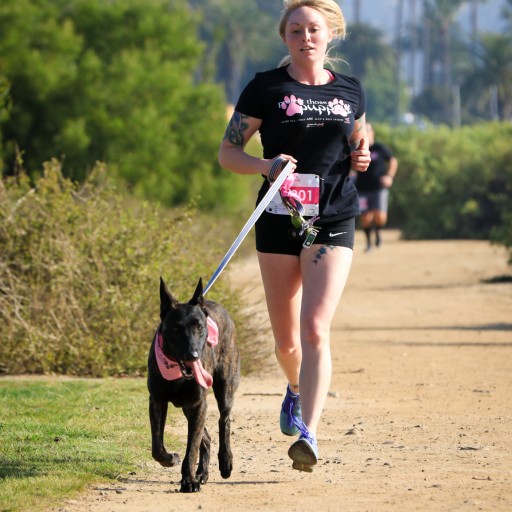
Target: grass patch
{"points": [[60, 435]]}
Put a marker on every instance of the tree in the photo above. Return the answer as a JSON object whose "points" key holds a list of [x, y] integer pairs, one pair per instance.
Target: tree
{"points": [[506, 12], [444, 12], [438, 23], [474, 18], [364, 45], [436, 97], [368, 57], [398, 56], [491, 76], [357, 11], [114, 81], [413, 43], [236, 42], [39, 58]]}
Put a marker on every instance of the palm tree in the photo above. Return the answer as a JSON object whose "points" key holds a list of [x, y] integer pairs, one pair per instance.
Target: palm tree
{"points": [[368, 57], [398, 55], [435, 98], [365, 47], [473, 20], [492, 75], [445, 11], [428, 23], [413, 43], [506, 12], [473, 17], [357, 11], [234, 40]]}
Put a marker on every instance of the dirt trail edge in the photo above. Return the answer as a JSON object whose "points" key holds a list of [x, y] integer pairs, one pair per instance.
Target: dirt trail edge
{"points": [[419, 416]]}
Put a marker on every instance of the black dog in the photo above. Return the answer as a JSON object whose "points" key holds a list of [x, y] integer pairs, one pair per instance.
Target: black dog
{"points": [[180, 345]]}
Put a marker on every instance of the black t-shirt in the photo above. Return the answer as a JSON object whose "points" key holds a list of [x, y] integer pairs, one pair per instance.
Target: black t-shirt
{"points": [[312, 123], [370, 180]]}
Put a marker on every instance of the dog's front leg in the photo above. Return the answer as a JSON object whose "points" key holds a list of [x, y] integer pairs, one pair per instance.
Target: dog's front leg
{"points": [[202, 473], [225, 455], [196, 417], [224, 394], [157, 417]]}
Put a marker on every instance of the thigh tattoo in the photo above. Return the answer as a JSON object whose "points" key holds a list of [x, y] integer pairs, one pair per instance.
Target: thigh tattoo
{"points": [[321, 252]]}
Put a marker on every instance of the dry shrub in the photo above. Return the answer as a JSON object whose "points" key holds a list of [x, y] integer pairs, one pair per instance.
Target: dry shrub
{"points": [[79, 276]]}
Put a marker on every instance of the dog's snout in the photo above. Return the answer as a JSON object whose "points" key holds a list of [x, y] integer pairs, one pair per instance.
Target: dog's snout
{"points": [[190, 355]]}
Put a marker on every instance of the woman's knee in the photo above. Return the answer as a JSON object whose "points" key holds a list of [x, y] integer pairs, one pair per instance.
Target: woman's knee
{"points": [[315, 335], [287, 348]]}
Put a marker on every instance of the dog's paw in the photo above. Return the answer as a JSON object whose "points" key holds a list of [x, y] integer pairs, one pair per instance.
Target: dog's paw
{"points": [[168, 460], [190, 485], [202, 477], [225, 464]]}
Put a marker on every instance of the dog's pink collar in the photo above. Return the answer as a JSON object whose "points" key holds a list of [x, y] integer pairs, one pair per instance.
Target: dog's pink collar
{"points": [[170, 369]]}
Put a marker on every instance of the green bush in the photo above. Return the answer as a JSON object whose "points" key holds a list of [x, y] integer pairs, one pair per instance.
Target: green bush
{"points": [[502, 234], [451, 183], [79, 275]]}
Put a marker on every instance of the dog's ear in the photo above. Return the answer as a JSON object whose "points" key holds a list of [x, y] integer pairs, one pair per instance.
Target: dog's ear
{"points": [[167, 301], [198, 299]]}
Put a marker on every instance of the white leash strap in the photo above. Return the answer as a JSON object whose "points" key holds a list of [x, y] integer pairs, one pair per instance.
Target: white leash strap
{"points": [[250, 223]]}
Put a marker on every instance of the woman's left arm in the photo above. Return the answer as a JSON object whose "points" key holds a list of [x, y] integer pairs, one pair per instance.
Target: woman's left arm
{"points": [[360, 156]]}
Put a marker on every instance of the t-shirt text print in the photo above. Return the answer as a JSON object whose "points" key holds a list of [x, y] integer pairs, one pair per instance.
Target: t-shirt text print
{"points": [[336, 107]]}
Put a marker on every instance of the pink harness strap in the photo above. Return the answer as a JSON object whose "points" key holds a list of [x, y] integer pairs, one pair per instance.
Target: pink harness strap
{"points": [[170, 369]]}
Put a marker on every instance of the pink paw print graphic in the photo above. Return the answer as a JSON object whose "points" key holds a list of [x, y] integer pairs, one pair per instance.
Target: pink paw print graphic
{"points": [[338, 107], [292, 105]]}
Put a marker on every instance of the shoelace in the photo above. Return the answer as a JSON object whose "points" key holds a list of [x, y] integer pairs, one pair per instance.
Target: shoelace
{"points": [[288, 406], [305, 433]]}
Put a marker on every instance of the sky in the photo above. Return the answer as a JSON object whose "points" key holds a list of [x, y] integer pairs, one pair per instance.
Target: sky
{"points": [[381, 13]]}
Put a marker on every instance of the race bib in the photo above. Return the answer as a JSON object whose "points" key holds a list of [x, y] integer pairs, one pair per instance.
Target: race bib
{"points": [[306, 189]]}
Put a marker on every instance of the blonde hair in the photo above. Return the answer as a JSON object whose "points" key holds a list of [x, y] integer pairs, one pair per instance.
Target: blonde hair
{"points": [[329, 9]]}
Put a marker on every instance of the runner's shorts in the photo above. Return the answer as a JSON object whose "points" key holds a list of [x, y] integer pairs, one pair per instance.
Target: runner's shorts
{"points": [[373, 200], [276, 234]]}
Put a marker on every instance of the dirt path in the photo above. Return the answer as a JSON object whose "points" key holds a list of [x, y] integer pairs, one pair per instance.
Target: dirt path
{"points": [[419, 415]]}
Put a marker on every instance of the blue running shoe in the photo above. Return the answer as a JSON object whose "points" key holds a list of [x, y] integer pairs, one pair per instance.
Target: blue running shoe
{"points": [[304, 452], [291, 413]]}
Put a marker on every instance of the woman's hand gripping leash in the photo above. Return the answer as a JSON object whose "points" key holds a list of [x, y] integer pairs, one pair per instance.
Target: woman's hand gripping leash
{"points": [[278, 164]]}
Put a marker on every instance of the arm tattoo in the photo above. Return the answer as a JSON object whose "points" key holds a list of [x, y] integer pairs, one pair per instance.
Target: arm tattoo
{"points": [[236, 127]]}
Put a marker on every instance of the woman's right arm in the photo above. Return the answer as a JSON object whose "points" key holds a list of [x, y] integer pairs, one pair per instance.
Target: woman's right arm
{"points": [[232, 155]]}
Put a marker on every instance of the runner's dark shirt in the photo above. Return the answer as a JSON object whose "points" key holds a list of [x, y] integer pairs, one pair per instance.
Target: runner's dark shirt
{"points": [[312, 124], [370, 180]]}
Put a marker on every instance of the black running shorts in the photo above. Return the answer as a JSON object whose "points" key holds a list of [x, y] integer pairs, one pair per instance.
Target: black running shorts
{"points": [[275, 234]]}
